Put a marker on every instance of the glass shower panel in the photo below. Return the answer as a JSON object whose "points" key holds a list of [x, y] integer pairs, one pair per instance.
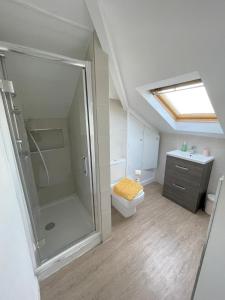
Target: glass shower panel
{"points": [[21, 147], [55, 150]]}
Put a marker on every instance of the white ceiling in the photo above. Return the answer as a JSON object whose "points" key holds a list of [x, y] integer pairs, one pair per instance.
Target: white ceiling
{"points": [[73, 10], [149, 40], [62, 27], [154, 40], [45, 90]]}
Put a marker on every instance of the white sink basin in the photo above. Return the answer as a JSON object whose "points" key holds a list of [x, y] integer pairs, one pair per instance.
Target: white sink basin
{"points": [[199, 158]]}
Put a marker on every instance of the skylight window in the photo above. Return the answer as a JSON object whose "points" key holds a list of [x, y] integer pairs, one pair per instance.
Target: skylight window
{"points": [[186, 101]]}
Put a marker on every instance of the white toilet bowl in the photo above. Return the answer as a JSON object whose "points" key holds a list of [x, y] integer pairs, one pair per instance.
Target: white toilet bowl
{"points": [[125, 207], [212, 198], [210, 202]]}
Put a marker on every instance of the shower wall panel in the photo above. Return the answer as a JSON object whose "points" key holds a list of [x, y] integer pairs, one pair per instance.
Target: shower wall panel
{"points": [[58, 162]]}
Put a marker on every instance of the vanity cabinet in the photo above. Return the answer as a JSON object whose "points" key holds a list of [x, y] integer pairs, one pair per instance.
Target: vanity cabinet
{"points": [[186, 182]]}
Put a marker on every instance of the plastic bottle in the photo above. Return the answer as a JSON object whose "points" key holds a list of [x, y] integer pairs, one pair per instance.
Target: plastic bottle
{"points": [[184, 147]]}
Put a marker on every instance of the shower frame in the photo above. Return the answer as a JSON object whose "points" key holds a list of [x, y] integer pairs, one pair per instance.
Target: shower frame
{"points": [[45, 269]]}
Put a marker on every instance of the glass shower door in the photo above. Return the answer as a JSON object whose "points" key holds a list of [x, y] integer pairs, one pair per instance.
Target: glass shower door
{"points": [[51, 125], [16, 127]]}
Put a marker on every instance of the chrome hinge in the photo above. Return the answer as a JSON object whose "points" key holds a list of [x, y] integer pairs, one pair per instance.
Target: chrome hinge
{"points": [[6, 86], [40, 243]]}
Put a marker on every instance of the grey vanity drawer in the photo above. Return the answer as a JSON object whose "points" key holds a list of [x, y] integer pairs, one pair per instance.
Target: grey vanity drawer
{"points": [[188, 197], [186, 179], [180, 183], [182, 192], [182, 168]]}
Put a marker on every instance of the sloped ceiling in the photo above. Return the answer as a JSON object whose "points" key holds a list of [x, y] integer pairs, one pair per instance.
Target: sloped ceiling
{"points": [[62, 27], [45, 90], [153, 40], [147, 41]]}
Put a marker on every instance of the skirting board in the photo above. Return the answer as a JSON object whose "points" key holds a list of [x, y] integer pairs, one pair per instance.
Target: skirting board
{"points": [[148, 181], [64, 258]]}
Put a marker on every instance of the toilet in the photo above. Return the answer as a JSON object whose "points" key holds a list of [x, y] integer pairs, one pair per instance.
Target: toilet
{"points": [[210, 202], [125, 207], [212, 198]]}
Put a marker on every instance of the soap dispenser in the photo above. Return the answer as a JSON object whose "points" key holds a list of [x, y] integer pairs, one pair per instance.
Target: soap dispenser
{"points": [[184, 147]]}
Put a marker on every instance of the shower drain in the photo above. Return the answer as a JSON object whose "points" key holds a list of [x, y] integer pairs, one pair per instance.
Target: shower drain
{"points": [[50, 226]]}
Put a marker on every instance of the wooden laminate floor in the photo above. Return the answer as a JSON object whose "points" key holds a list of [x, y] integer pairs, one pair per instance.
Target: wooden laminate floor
{"points": [[153, 255]]}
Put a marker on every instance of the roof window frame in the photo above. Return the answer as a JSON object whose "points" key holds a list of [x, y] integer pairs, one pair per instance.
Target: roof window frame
{"points": [[201, 117]]}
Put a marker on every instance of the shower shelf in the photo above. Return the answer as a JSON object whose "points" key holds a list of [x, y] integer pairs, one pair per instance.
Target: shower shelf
{"points": [[46, 150], [48, 139], [44, 129]]}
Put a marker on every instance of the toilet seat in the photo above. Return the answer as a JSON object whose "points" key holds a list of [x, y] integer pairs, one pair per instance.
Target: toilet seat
{"points": [[125, 207]]}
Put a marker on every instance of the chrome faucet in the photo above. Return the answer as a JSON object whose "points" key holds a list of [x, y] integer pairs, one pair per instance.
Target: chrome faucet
{"points": [[193, 149]]}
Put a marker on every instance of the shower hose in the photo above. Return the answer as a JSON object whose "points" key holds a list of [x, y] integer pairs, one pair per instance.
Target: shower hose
{"points": [[41, 155]]}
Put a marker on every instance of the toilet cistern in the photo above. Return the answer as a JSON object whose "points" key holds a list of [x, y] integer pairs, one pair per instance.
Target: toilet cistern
{"points": [[137, 175]]}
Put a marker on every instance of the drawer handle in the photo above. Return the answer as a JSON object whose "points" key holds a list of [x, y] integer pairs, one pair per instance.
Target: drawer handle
{"points": [[179, 187], [182, 168]]}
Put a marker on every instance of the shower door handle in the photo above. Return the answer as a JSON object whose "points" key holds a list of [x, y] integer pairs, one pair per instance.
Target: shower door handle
{"points": [[85, 166]]}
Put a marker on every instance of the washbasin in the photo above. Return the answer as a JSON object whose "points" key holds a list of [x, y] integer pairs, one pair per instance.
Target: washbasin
{"points": [[195, 157]]}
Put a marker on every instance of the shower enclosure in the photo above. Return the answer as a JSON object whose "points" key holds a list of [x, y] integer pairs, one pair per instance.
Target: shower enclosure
{"points": [[51, 123]]}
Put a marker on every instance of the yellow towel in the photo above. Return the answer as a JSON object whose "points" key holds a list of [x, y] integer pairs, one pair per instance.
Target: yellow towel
{"points": [[127, 188]]}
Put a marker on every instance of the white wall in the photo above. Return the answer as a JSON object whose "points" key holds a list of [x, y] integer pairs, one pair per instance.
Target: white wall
{"points": [[118, 130], [211, 279], [127, 142], [102, 143], [58, 162], [216, 146], [17, 279], [135, 148]]}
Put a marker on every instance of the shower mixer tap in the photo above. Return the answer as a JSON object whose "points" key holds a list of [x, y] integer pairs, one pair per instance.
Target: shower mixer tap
{"points": [[16, 110], [25, 153]]}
